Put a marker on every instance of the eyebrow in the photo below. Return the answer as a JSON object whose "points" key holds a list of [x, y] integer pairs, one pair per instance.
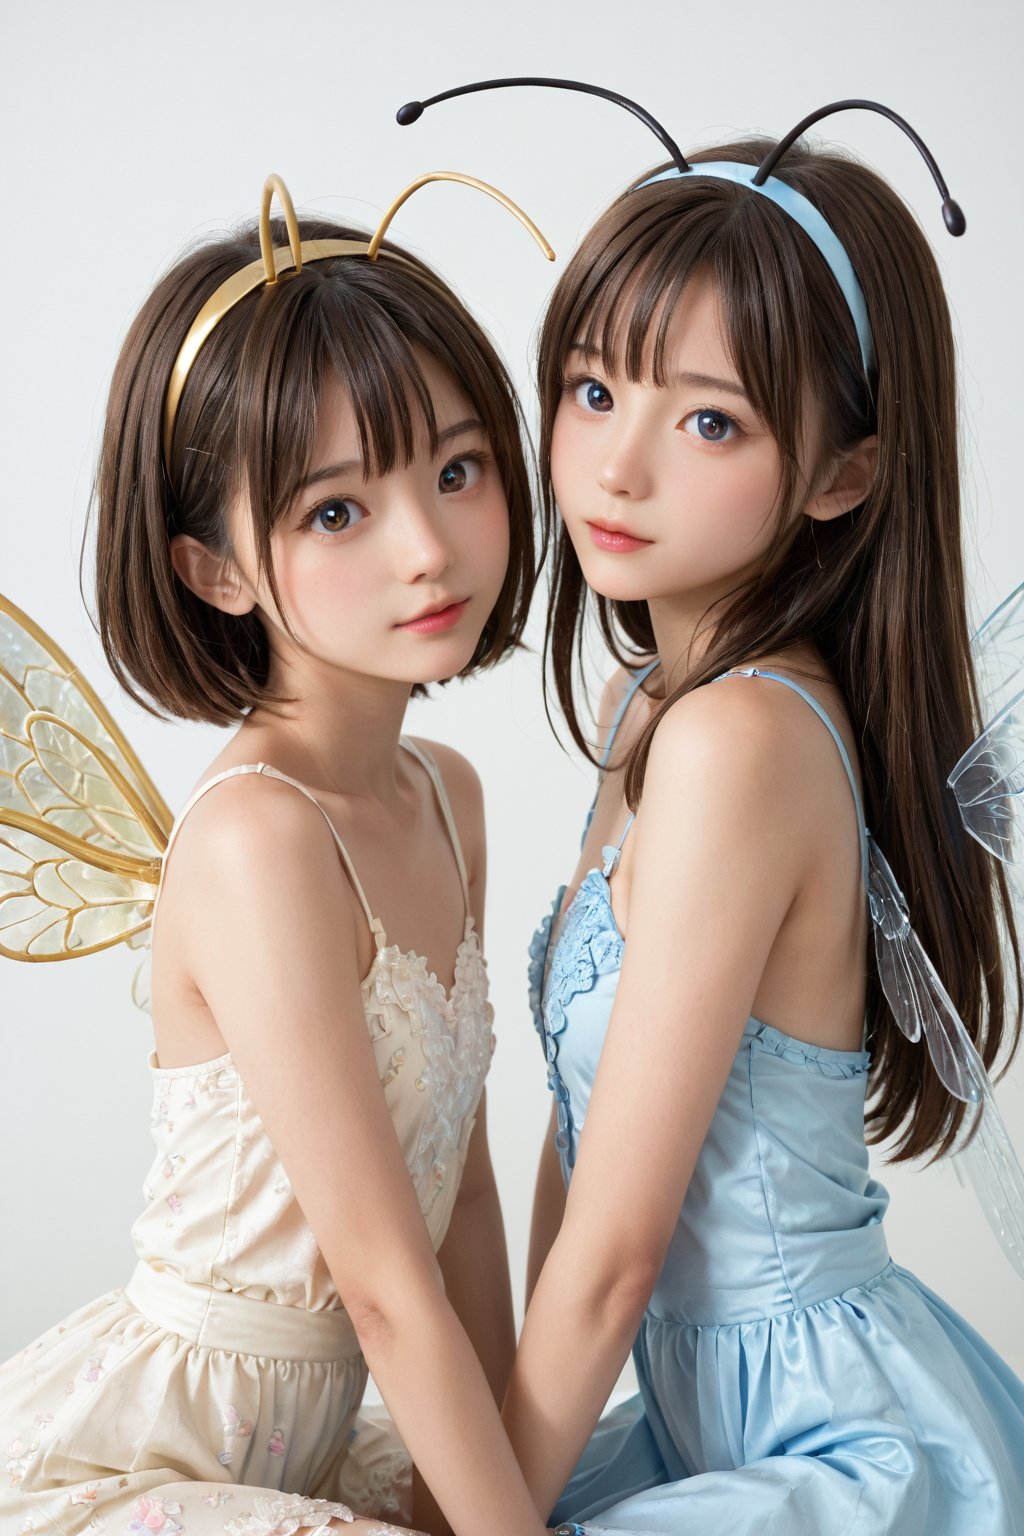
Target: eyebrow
{"points": [[683, 376], [347, 466]]}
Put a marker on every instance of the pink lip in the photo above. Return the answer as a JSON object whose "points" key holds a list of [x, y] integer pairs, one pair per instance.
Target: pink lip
{"points": [[615, 540], [436, 619]]}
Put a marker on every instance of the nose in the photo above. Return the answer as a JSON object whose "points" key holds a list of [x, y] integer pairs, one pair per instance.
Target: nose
{"points": [[424, 552], [623, 469]]}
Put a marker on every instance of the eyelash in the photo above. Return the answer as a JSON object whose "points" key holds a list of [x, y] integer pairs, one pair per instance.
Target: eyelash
{"points": [[571, 384], [476, 456]]}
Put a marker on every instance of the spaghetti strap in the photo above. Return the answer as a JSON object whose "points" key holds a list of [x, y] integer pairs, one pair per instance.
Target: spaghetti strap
{"points": [[446, 810], [823, 716], [635, 680], [376, 927]]}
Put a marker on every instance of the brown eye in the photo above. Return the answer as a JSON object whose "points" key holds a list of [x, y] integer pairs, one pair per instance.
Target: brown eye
{"points": [[336, 515], [458, 475]]}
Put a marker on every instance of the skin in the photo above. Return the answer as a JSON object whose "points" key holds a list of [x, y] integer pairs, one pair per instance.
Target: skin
{"points": [[356, 556], [727, 911]]}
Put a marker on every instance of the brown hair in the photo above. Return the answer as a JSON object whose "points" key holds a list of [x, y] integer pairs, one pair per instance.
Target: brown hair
{"points": [[880, 591], [248, 417]]}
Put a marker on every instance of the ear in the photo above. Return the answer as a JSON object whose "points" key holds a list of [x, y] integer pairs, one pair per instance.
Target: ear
{"points": [[214, 578], [849, 484]]}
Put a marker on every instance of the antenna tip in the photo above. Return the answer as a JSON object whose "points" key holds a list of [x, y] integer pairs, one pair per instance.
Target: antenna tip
{"points": [[410, 113], [952, 213]]}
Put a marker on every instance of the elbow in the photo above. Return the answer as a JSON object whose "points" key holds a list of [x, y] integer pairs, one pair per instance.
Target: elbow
{"points": [[618, 1287], [380, 1313], [628, 1289], [374, 1324]]}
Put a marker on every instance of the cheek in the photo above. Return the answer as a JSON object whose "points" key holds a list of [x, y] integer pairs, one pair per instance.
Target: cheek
{"points": [[730, 502], [322, 587], [565, 453], [485, 540]]}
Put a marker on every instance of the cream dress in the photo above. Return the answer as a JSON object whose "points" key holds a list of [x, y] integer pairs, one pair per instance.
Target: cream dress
{"points": [[217, 1393]]}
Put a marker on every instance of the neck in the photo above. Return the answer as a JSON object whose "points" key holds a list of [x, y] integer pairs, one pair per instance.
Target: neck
{"points": [[683, 628], [338, 731]]}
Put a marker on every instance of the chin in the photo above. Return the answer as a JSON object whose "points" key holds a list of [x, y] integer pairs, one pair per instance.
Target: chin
{"points": [[621, 586], [441, 662]]}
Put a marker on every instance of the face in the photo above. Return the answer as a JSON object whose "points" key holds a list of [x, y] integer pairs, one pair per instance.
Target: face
{"points": [[667, 492], [390, 576]]}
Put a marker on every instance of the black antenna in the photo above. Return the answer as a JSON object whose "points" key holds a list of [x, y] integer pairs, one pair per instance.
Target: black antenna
{"points": [[413, 110], [951, 211]]}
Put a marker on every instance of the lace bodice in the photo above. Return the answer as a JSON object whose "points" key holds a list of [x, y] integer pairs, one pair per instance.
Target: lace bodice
{"points": [[220, 1209]]}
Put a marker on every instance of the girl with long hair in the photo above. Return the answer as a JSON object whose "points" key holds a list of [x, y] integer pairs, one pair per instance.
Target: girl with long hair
{"points": [[750, 461]]}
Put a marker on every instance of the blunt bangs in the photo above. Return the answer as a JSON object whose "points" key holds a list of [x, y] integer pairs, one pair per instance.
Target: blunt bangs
{"points": [[247, 424]]}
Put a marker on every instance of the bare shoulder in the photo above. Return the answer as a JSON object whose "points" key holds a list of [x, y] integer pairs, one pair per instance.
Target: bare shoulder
{"points": [[743, 738], [614, 691], [461, 779], [464, 790], [249, 825]]}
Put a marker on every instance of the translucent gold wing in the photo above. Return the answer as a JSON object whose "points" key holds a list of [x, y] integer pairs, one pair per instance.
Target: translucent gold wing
{"points": [[82, 827]]}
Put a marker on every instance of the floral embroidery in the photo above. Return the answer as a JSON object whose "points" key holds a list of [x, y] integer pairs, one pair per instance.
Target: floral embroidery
{"points": [[287, 1515], [149, 1514], [589, 946], [215, 1499], [394, 1066], [19, 1455], [456, 1039], [87, 1494], [234, 1427], [384, 1483], [538, 959], [93, 1368], [275, 1445]]}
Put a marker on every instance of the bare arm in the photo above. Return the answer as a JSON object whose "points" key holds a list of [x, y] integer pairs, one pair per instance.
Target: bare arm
{"points": [[548, 1208], [474, 1263], [713, 879], [272, 947]]}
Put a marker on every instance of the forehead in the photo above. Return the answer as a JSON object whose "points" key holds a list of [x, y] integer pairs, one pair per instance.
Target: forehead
{"points": [[693, 333], [338, 437], [651, 332]]}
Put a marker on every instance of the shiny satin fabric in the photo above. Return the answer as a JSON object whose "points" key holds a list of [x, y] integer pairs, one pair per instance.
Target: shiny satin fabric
{"points": [[793, 1380]]}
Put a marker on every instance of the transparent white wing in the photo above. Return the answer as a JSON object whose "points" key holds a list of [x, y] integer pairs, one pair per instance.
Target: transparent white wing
{"points": [[988, 784], [997, 650], [924, 1010], [994, 1169]]}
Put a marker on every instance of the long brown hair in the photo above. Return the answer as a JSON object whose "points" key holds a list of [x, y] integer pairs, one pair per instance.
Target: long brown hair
{"points": [[880, 591], [248, 418]]}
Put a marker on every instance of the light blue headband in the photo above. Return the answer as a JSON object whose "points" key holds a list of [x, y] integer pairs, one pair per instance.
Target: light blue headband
{"points": [[811, 222], [757, 178]]}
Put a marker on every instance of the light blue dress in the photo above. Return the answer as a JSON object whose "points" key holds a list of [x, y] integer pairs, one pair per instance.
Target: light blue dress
{"points": [[794, 1381]]}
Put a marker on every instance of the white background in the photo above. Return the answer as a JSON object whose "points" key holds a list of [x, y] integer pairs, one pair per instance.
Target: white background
{"points": [[129, 130]]}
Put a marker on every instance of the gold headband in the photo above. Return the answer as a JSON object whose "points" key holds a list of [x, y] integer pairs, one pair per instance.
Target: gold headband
{"points": [[273, 261]]}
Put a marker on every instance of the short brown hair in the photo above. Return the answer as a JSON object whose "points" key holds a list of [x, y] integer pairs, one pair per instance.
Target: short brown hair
{"points": [[248, 417]]}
